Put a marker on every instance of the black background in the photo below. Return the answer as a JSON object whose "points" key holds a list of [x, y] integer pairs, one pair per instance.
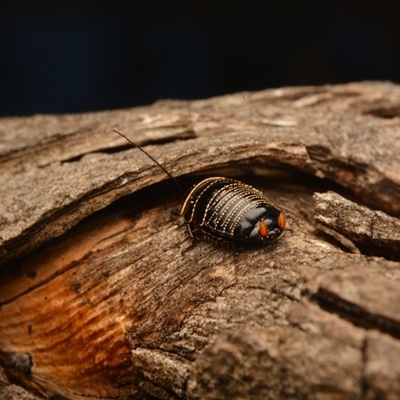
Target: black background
{"points": [[76, 56]]}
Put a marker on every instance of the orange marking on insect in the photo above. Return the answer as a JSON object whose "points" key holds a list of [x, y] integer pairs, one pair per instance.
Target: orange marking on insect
{"points": [[263, 230], [281, 221]]}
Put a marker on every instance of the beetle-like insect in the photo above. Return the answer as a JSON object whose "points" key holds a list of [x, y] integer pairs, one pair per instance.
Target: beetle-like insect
{"points": [[228, 210], [232, 212]]}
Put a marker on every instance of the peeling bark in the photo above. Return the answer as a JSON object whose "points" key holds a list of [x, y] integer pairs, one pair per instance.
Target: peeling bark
{"points": [[102, 296], [375, 232]]}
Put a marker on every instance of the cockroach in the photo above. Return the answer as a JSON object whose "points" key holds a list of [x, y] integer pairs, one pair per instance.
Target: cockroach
{"points": [[228, 211]]}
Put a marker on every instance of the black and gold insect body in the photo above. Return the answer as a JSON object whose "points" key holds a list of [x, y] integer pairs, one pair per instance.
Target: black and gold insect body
{"points": [[232, 212], [228, 211]]}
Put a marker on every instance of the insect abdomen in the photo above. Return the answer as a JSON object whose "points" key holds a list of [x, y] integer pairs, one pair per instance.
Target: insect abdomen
{"points": [[232, 211]]}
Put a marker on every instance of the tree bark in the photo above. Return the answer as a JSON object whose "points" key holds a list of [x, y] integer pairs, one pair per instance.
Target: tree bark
{"points": [[103, 296]]}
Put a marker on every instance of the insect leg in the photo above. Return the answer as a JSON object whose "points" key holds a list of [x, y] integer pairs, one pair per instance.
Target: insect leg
{"points": [[192, 238], [190, 232]]}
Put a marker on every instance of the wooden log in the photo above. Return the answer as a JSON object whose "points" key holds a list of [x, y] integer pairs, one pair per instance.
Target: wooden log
{"points": [[102, 296], [374, 231]]}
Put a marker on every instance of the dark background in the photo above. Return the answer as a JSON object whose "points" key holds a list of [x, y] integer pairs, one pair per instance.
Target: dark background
{"points": [[76, 56]]}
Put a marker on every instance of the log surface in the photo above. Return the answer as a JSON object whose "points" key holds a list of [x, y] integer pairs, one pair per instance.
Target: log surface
{"points": [[102, 296]]}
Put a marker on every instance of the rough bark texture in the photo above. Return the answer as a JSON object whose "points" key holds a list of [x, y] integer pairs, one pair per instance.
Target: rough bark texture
{"points": [[103, 297]]}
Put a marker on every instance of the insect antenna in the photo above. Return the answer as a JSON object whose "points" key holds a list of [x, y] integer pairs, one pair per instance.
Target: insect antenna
{"points": [[154, 160]]}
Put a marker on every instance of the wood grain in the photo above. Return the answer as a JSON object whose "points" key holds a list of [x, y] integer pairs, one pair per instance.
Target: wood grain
{"points": [[102, 296]]}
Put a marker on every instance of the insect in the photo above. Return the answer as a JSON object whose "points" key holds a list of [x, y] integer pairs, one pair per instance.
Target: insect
{"points": [[228, 210]]}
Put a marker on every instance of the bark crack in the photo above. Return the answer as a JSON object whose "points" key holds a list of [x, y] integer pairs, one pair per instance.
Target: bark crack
{"points": [[355, 314]]}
